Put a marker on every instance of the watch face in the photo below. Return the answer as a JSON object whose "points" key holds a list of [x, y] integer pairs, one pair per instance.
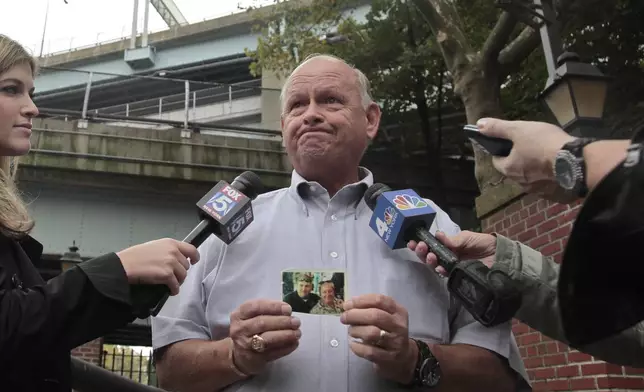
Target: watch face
{"points": [[430, 373], [564, 173]]}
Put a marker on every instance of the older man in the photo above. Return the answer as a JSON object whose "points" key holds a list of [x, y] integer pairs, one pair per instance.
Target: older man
{"points": [[229, 330]]}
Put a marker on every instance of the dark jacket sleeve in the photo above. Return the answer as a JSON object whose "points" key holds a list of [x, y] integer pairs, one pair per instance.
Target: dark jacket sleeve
{"points": [[77, 306], [536, 276], [600, 285]]}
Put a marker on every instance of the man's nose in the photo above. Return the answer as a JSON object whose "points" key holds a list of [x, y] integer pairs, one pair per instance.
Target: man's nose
{"points": [[312, 115]]}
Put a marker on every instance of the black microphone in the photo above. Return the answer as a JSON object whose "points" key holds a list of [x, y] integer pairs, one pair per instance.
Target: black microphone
{"points": [[400, 216], [225, 211]]}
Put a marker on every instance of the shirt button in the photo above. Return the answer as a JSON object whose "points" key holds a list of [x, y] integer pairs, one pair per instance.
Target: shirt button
{"points": [[334, 255], [312, 188], [334, 343], [334, 218]]}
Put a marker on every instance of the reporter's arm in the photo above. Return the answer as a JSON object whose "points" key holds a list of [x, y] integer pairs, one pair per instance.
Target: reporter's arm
{"points": [[77, 306], [601, 158], [537, 277], [477, 358]]}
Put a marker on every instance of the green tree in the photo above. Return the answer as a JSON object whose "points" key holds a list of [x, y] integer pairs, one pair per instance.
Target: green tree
{"points": [[408, 79], [407, 47]]}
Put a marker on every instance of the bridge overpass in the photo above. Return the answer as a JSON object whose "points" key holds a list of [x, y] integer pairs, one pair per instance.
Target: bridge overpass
{"points": [[200, 66]]}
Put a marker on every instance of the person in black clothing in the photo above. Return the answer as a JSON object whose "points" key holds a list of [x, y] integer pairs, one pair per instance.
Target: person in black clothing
{"points": [[40, 322], [599, 289], [302, 299]]}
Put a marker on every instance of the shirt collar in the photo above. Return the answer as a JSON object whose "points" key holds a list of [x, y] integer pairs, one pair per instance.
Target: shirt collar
{"points": [[301, 188]]}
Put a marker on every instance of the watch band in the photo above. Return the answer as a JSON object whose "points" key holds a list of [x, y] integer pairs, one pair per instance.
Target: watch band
{"points": [[426, 362], [576, 148]]}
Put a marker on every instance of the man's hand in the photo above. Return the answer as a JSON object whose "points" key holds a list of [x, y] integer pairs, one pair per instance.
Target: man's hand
{"points": [[382, 325], [531, 160], [467, 245], [272, 322]]}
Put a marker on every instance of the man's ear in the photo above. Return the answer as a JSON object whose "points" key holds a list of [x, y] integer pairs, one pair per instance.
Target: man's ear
{"points": [[282, 127], [373, 120]]}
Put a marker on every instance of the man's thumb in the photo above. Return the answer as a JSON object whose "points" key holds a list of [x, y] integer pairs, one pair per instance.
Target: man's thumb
{"points": [[495, 127]]}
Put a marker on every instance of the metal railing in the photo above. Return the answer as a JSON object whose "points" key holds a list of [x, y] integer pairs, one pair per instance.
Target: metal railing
{"points": [[126, 362], [87, 377], [176, 102], [154, 99]]}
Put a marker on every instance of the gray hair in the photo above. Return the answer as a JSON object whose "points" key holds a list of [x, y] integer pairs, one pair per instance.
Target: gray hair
{"points": [[364, 86]]}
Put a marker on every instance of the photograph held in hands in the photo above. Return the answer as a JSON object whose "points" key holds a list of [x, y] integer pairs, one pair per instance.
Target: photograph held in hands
{"points": [[314, 291]]}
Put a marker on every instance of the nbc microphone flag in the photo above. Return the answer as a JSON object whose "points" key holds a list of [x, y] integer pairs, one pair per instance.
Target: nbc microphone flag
{"points": [[397, 211]]}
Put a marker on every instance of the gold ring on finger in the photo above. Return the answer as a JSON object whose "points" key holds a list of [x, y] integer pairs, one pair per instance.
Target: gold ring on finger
{"points": [[257, 344], [381, 338]]}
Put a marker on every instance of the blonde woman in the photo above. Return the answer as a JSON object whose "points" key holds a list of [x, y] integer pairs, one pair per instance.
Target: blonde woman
{"points": [[41, 322]]}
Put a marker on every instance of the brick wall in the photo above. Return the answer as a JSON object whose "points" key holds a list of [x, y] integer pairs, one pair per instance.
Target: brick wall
{"points": [[90, 351], [553, 366]]}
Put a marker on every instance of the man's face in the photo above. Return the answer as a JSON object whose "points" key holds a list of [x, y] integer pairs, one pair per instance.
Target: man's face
{"points": [[324, 122], [304, 288], [327, 293]]}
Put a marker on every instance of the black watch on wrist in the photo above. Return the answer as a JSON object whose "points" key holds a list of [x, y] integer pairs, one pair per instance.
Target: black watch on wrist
{"points": [[570, 167], [428, 372]]}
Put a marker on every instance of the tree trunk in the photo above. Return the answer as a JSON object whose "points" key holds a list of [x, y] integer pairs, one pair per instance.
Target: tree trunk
{"points": [[432, 147], [432, 143], [478, 87]]}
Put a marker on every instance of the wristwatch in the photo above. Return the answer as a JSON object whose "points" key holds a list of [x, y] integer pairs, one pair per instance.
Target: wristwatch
{"points": [[428, 371], [570, 168]]}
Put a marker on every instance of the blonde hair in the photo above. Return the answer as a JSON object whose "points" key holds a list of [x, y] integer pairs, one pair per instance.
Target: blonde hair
{"points": [[364, 86], [15, 221]]}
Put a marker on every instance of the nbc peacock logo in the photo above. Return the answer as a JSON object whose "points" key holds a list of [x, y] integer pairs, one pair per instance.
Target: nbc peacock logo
{"points": [[408, 202], [389, 215]]}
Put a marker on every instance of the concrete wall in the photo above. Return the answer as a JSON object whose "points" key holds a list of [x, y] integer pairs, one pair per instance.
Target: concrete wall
{"points": [[138, 152], [105, 220], [270, 101]]}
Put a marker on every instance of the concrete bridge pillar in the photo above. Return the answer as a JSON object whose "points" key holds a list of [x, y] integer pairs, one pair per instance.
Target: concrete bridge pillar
{"points": [[270, 101]]}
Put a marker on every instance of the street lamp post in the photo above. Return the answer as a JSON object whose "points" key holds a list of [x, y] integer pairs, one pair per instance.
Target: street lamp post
{"points": [[71, 258], [575, 92], [575, 96]]}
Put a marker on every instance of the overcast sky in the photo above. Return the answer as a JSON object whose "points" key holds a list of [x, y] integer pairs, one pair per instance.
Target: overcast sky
{"points": [[85, 22]]}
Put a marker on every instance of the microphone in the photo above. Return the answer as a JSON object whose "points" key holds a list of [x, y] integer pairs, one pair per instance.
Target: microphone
{"points": [[225, 211], [400, 216]]}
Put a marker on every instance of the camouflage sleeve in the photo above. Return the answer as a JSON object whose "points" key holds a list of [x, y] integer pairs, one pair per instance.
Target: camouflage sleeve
{"points": [[537, 277]]}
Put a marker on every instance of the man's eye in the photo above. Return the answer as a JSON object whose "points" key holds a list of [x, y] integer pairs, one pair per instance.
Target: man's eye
{"points": [[332, 100], [10, 89]]}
